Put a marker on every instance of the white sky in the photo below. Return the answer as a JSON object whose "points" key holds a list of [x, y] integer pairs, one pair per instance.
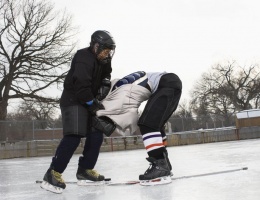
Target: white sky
{"points": [[185, 37], [182, 36]]}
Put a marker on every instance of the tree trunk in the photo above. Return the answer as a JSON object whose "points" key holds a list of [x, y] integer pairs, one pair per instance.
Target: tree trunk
{"points": [[3, 109]]}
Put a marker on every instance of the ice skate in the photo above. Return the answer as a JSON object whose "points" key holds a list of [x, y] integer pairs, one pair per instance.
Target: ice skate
{"points": [[165, 154], [89, 176], [53, 182], [157, 173]]}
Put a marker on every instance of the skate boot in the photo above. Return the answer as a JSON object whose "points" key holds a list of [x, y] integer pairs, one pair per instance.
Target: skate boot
{"points": [[52, 181], [157, 173], [165, 154], [86, 176]]}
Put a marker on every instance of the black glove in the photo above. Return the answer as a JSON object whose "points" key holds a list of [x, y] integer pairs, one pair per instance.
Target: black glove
{"points": [[104, 124], [95, 107], [104, 89]]}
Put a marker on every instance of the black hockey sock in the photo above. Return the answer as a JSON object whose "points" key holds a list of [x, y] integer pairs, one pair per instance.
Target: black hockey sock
{"points": [[157, 153]]}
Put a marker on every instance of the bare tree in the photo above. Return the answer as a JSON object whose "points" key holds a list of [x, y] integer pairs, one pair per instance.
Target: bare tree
{"points": [[226, 89], [181, 119], [36, 44], [183, 110], [34, 110], [43, 114]]}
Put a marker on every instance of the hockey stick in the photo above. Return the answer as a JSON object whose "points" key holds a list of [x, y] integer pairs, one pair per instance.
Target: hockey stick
{"points": [[107, 181], [209, 174], [183, 177]]}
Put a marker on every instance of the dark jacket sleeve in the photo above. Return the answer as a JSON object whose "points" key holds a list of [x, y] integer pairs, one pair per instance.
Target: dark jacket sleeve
{"points": [[107, 69], [82, 77]]}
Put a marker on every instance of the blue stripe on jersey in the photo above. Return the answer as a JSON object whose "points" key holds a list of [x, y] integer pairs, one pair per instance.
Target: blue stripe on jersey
{"points": [[129, 79]]}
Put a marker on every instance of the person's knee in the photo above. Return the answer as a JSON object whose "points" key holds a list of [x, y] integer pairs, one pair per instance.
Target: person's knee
{"points": [[96, 137], [72, 140], [176, 82], [145, 129]]}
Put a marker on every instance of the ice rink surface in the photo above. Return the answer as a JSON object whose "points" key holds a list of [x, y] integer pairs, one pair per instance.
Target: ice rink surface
{"points": [[18, 176]]}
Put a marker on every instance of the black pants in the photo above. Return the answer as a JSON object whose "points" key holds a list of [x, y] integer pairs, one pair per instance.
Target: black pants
{"points": [[75, 126], [162, 103], [159, 109]]}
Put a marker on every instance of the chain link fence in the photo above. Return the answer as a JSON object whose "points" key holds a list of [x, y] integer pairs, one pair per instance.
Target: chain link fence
{"points": [[46, 130], [198, 123], [29, 130]]}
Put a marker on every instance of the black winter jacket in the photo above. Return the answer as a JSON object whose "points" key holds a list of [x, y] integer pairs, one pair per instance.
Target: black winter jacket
{"points": [[84, 78]]}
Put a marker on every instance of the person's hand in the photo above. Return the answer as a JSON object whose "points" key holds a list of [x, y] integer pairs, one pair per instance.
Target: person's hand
{"points": [[94, 105], [104, 89]]}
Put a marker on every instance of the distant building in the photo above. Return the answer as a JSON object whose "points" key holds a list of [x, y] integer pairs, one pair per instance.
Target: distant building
{"points": [[247, 118]]}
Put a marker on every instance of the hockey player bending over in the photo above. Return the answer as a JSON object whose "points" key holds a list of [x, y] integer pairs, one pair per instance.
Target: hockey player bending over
{"points": [[164, 92]]}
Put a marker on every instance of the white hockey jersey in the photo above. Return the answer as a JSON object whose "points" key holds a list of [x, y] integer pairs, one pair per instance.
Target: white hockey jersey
{"points": [[121, 105]]}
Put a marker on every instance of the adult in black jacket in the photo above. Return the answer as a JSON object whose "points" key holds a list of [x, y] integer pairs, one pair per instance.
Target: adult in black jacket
{"points": [[87, 82]]}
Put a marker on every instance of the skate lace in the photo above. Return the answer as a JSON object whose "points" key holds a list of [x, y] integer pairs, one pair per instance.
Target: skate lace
{"points": [[57, 176], [150, 168], [92, 172]]}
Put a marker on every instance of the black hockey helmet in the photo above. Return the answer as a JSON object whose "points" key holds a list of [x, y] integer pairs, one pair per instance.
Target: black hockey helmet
{"points": [[104, 39]]}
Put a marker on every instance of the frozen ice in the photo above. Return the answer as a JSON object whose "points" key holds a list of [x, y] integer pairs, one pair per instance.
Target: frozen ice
{"points": [[18, 175]]}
